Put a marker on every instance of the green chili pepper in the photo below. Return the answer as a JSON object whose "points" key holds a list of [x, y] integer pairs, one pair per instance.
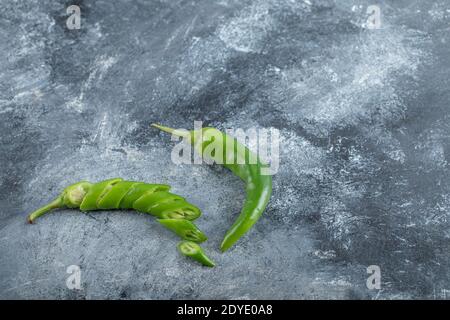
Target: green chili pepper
{"points": [[184, 228], [235, 157], [194, 251], [119, 194]]}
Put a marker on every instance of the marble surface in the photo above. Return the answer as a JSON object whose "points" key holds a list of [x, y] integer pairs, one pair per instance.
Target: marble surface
{"points": [[364, 122]]}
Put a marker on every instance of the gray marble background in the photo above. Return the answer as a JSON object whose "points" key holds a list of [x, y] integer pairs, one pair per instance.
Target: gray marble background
{"points": [[363, 116]]}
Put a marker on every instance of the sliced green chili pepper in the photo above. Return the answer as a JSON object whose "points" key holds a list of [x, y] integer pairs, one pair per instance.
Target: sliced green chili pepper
{"points": [[235, 156], [184, 228], [119, 194], [194, 251]]}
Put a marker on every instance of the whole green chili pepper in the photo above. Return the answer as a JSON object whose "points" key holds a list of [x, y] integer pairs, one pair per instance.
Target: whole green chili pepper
{"points": [[119, 194], [194, 251], [235, 157], [184, 228]]}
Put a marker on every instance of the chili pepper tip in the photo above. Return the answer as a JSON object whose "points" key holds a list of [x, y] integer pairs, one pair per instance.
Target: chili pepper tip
{"points": [[177, 132]]}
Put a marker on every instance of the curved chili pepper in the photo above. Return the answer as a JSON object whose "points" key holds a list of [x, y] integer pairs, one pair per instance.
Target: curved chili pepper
{"points": [[194, 251], [258, 186], [119, 194]]}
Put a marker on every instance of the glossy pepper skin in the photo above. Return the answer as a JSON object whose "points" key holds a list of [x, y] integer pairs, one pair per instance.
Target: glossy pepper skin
{"points": [[116, 193], [258, 185], [194, 251]]}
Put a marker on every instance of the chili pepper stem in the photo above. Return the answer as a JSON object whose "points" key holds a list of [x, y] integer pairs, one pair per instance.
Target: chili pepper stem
{"points": [[180, 133], [57, 203]]}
